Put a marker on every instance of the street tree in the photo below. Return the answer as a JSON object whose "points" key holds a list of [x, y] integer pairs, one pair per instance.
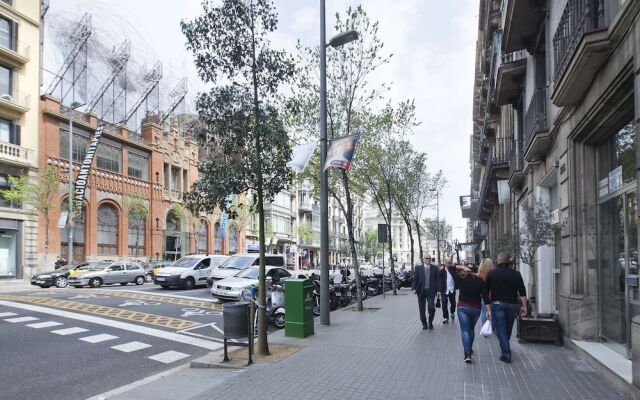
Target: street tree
{"points": [[35, 197], [371, 245], [425, 200], [349, 92], [437, 230], [137, 214], [231, 47]]}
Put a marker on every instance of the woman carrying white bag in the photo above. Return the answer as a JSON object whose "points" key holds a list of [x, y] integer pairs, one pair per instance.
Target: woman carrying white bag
{"points": [[472, 291]]}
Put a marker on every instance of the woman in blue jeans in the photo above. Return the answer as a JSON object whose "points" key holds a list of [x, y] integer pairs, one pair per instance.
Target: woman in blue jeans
{"points": [[473, 291], [486, 265]]}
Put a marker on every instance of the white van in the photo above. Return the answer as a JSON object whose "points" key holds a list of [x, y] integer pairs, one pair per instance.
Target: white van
{"points": [[188, 272], [239, 262]]}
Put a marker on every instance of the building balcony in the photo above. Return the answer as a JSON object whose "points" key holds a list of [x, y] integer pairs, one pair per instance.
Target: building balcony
{"points": [[171, 194], [18, 53], [496, 168], [516, 166], [15, 100], [537, 137], [479, 232], [13, 154], [305, 206], [519, 23], [581, 46], [510, 77], [469, 205]]}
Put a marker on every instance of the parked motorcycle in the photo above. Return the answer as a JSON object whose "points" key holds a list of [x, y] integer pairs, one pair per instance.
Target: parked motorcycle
{"points": [[404, 278]]}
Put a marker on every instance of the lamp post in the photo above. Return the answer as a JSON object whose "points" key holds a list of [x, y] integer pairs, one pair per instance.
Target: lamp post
{"points": [[437, 221], [336, 41], [70, 224]]}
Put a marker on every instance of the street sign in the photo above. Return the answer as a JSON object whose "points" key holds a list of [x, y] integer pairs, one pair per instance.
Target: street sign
{"points": [[382, 233]]}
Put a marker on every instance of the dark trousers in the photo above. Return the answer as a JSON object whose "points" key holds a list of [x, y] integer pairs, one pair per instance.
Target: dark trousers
{"points": [[451, 300], [503, 315], [426, 298]]}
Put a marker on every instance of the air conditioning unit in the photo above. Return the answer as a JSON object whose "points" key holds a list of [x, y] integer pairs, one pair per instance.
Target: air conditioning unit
{"points": [[6, 96]]}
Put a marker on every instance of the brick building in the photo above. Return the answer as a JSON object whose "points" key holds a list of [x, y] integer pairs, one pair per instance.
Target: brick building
{"points": [[155, 165]]}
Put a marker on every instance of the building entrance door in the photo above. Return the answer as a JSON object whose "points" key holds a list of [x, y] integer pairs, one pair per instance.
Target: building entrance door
{"points": [[618, 261]]}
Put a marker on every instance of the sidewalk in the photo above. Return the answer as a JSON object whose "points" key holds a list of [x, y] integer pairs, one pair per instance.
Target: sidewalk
{"points": [[385, 354], [15, 284]]}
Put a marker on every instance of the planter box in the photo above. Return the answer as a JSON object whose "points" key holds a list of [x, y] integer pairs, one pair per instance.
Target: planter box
{"points": [[543, 329]]}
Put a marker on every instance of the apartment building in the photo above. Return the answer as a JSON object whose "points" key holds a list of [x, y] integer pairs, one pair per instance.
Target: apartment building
{"points": [[19, 88], [555, 119]]}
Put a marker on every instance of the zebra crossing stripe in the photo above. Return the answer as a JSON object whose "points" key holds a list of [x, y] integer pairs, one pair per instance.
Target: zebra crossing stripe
{"points": [[103, 337], [168, 356], [131, 346], [7, 314], [47, 324], [21, 319], [69, 331]]}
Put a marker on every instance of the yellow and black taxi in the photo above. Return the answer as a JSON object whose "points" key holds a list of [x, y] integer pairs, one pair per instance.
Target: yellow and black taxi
{"points": [[58, 277]]}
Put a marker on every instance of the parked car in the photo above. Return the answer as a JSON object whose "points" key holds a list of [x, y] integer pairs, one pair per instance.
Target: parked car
{"points": [[58, 277], [238, 262], [153, 267], [231, 288], [108, 273], [188, 272]]}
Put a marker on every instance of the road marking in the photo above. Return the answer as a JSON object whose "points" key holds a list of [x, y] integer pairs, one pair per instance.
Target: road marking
{"points": [[131, 346], [128, 387], [69, 331], [103, 337], [7, 314], [166, 298], [41, 325], [169, 356], [129, 315], [157, 333], [21, 319]]}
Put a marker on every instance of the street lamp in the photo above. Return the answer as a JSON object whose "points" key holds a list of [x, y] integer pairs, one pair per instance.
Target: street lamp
{"points": [[437, 221], [336, 41]]}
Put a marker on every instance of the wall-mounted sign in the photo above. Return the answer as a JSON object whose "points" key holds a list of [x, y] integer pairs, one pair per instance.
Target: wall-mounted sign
{"points": [[615, 179], [603, 187]]}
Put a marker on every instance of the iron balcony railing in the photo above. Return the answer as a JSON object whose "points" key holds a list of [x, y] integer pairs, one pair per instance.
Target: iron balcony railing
{"points": [[501, 150], [535, 119], [513, 56], [579, 17], [516, 163]]}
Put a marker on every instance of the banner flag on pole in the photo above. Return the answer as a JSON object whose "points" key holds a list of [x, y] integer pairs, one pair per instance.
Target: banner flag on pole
{"points": [[83, 175], [301, 155], [341, 152]]}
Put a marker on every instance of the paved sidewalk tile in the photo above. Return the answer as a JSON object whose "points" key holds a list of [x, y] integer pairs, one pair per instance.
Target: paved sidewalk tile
{"points": [[385, 354]]}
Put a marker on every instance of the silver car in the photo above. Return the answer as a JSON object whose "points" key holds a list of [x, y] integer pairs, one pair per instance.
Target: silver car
{"points": [[231, 288], [108, 273]]}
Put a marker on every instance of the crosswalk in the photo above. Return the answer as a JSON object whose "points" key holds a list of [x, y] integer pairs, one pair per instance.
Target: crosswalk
{"points": [[91, 338]]}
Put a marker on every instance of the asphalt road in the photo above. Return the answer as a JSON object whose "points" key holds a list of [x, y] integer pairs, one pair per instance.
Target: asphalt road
{"points": [[67, 352]]}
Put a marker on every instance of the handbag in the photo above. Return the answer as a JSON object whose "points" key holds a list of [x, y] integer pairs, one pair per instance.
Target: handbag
{"points": [[438, 301], [486, 329]]}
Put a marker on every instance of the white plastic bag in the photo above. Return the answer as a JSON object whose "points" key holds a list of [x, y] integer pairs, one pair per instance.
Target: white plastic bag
{"points": [[486, 329]]}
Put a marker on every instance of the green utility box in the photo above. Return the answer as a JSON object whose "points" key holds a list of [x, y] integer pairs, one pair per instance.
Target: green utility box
{"points": [[298, 303]]}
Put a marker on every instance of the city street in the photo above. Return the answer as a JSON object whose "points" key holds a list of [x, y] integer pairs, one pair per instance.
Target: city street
{"points": [[76, 343]]}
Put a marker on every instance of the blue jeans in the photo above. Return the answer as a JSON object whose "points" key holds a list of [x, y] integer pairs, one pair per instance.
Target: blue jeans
{"points": [[503, 316], [467, 318]]}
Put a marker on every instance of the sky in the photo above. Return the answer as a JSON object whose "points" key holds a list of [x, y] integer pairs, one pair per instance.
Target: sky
{"points": [[433, 46]]}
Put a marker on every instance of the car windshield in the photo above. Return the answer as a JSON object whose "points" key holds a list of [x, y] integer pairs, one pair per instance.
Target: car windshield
{"points": [[186, 262], [238, 262], [249, 273], [217, 261]]}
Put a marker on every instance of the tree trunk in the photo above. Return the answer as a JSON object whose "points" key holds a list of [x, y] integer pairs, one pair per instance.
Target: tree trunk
{"points": [[410, 240], [46, 238], [352, 243], [263, 345], [419, 246], [393, 270]]}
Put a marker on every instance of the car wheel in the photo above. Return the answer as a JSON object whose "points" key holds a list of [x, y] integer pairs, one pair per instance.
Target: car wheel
{"points": [[95, 282], [164, 286], [139, 280], [61, 282], [148, 278], [209, 283], [189, 284], [279, 321]]}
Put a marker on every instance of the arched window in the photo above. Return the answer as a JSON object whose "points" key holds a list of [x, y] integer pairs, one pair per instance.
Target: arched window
{"points": [[201, 243], [78, 235], [173, 222], [217, 239], [233, 239], [107, 230]]}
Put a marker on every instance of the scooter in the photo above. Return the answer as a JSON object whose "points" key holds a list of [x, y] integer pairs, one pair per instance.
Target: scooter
{"points": [[275, 304]]}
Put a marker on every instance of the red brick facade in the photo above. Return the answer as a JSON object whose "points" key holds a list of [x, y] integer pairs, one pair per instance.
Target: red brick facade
{"points": [[156, 166]]}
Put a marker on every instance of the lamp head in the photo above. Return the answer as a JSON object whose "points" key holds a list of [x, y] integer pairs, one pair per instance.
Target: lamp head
{"points": [[343, 38]]}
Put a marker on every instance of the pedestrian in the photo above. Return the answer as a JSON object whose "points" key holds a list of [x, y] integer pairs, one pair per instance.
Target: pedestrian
{"points": [[486, 265], [447, 291], [425, 285], [473, 291], [60, 261], [507, 290]]}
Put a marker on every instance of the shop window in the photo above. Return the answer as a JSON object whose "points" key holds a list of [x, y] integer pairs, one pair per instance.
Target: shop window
{"points": [[107, 230], [617, 160], [217, 239]]}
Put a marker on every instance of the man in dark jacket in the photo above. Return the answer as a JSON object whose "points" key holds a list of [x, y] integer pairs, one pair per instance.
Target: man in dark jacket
{"points": [[425, 285], [507, 290], [447, 290]]}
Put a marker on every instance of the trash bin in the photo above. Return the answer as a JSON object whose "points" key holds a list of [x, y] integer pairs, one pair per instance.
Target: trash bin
{"points": [[298, 303], [236, 319]]}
